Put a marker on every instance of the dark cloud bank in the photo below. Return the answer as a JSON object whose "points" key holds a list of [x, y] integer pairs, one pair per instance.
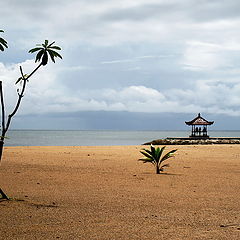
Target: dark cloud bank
{"points": [[105, 120]]}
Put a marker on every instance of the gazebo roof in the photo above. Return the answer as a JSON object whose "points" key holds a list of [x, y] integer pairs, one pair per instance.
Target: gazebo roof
{"points": [[199, 121]]}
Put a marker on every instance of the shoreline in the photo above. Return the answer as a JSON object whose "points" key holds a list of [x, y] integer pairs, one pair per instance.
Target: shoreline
{"points": [[97, 138]]}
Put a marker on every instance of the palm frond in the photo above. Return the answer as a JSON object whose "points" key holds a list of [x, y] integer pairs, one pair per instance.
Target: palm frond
{"points": [[3, 43], [39, 55], [56, 54], [157, 152], [168, 155], [51, 56], [153, 150], [50, 45], [54, 47], [161, 150], [35, 49], [147, 155]]}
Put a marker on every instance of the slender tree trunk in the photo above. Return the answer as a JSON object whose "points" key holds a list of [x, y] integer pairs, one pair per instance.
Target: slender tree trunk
{"points": [[2, 194], [1, 149], [3, 121], [157, 169]]}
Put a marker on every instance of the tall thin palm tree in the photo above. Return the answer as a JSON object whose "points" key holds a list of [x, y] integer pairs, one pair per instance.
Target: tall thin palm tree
{"points": [[44, 50], [42, 56]]}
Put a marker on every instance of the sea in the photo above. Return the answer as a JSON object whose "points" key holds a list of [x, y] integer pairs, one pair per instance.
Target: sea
{"points": [[95, 138]]}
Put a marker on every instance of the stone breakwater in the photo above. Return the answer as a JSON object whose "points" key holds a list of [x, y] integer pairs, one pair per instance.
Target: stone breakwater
{"points": [[190, 141]]}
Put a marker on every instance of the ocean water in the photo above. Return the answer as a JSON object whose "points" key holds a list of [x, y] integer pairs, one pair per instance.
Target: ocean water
{"points": [[95, 138]]}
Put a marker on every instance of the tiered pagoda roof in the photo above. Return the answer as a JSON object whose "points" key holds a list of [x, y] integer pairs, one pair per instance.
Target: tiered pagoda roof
{"points": [[199, 120]]}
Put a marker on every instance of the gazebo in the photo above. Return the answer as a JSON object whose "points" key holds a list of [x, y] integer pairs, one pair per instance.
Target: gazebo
{"points": [[199, 127]]}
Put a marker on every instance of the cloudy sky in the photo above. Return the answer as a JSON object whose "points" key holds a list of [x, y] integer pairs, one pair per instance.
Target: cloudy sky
{"points": [[129, 64]]}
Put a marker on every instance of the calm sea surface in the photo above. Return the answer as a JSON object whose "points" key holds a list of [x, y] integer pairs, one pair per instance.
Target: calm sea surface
{"points": [[95, 138]]}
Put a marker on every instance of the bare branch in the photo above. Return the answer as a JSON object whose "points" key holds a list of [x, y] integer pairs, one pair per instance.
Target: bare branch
{"points": [[20, 96]]}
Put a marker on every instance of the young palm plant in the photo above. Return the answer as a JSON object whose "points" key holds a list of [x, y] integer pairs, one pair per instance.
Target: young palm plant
{"points": [[154, 156]]}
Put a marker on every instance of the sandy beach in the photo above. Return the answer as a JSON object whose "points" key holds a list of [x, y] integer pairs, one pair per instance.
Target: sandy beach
{"points": [[103, 193]]}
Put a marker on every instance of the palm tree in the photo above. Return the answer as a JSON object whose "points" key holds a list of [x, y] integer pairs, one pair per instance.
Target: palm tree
{"points": [[42, 56], [44, 50], [154, 156], [3, 43]]}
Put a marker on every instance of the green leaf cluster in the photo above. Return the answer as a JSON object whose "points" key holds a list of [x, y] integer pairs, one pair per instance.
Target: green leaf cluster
{"points": [[3, 43], [44, 51], [156, 157]]}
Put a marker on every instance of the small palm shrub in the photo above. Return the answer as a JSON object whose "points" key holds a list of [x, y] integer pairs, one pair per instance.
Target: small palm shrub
{"points": [[154, 156]]}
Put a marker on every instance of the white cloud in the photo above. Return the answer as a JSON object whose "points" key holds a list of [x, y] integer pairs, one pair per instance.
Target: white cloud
{"points": [[113, 22], [203, 56], [137, 56], [45, 95], [118, 61]]}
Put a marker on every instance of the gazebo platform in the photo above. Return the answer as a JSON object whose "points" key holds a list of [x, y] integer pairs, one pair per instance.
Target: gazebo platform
{"points": [[199, 137], [193, 141]]}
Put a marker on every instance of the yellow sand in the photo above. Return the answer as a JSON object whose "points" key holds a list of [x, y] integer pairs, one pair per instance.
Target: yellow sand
{"points": [[103, 193]]}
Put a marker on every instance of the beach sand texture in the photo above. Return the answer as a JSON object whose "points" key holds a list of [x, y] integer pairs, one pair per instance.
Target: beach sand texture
{"points": [[103, 193]]}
